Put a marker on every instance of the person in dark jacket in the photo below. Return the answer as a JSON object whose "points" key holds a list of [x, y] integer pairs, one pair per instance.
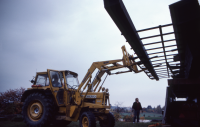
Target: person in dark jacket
{"points": [[136, 107]]}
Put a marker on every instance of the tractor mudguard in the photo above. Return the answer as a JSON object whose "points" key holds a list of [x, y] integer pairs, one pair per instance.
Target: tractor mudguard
{"points": [[30, 91]]}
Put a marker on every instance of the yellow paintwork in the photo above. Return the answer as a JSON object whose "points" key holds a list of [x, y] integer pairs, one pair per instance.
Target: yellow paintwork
{"points": [[32, 114], [62, 110], [107, 111], [73, 110], [85, 121], [91, 105]]}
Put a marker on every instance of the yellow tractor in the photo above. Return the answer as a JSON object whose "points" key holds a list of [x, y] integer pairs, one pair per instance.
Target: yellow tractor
{"points": [[57, 97]]}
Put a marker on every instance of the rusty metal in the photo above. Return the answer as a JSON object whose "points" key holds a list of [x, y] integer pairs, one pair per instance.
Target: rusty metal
{"points": [[161, 35], [168, 66], [147, 29], [156, 35], [160, 47], [145, 71], [162, 52], [164, 62], [153, 57], [120, 16], [162, 77], [157, 63], [161, 59], [159, 42], [150, 37], [117, 11], [160, 72], [154, 27], [161, 68], [167, 55], [163, 74]]}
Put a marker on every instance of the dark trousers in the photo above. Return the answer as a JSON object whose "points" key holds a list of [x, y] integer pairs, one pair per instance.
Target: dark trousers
{"points": [[136, 114]]}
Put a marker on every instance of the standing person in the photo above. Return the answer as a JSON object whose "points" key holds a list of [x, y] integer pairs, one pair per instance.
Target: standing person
{"points": [[137, 107]]}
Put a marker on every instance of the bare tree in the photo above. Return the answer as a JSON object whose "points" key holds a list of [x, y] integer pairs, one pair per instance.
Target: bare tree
{"points": [[10, 101], [118, 105]]}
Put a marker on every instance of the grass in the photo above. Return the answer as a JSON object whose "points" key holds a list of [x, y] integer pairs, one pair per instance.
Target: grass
{"points": [[76, 124], [151, 114], [11, 123], [130, 124], [148, 116]]}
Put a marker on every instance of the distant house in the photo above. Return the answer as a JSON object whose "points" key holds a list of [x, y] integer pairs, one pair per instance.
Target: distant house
{"points": [[113, 107], [149, 107]]}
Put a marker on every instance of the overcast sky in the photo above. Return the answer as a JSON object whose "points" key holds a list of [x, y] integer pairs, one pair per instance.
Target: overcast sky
{"points": [[69, 35]]}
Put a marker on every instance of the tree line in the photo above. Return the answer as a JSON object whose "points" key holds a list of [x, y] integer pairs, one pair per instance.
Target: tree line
{"points": [[118, 108]]}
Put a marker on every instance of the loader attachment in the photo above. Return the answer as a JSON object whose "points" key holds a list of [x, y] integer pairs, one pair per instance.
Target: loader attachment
{"points": [[127, 61]]}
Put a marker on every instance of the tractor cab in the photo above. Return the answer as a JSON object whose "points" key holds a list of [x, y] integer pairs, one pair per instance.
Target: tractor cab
{"points": [[60, 83], [61, 79]]}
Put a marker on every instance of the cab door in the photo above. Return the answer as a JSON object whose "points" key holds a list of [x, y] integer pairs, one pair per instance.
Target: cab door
{"points": [[57, 85], [67, 95]]}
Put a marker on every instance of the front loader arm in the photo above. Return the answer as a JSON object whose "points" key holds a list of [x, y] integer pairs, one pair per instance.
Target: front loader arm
{"points": [[101, 66], [106, 67]]}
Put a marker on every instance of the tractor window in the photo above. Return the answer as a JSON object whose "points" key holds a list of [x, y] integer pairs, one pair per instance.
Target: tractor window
{"points": [[56, 78], [47, 82], [72, 80], [42, 80]]}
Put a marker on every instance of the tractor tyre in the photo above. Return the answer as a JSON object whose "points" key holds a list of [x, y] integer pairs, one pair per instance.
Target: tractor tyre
{"points": [[38, 110], [109, 122], [87, 119]]}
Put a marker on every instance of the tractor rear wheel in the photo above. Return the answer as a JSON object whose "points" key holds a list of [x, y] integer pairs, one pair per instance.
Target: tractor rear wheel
{"points": [[87, 119], [37, 110], [109, 122]]}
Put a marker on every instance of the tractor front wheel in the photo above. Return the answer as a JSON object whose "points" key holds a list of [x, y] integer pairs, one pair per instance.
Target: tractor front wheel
{"points": [[109, 121], [37, 110], [87, 119]]}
